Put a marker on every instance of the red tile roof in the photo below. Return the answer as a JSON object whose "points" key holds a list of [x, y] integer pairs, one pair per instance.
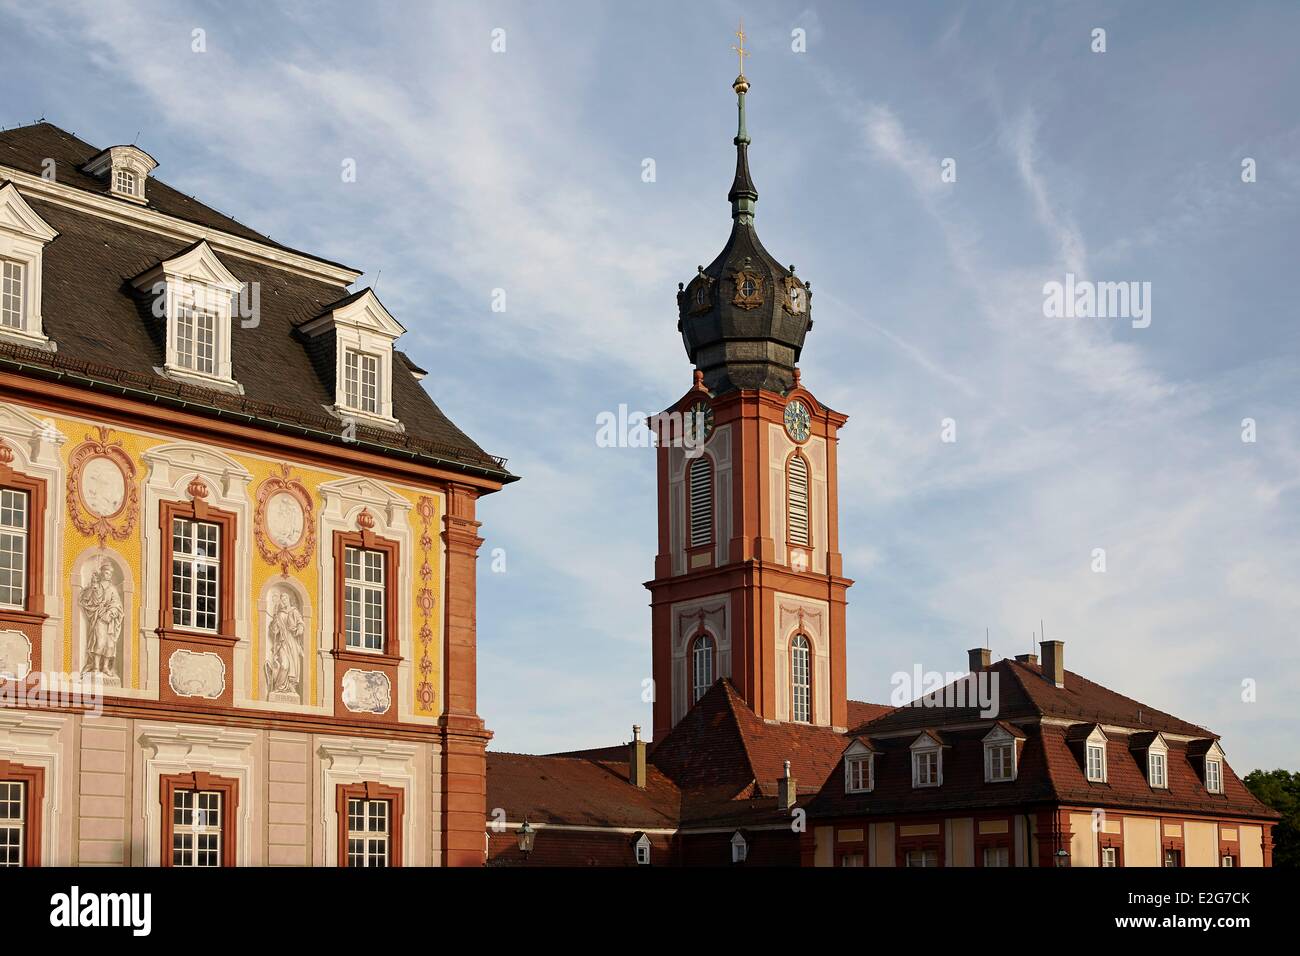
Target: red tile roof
{"points": [[579, 792]]}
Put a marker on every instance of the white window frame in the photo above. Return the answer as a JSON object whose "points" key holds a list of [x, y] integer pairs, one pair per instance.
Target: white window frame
{"points": [[859, 772], [13, 293], [126, 182], [1109, 853], [19, 535], [200, 829], [1214, 780], [23, 238], [355, 397], [195, 282], [358, 592], [191, 564], [739, 848], [369, 855], [1096, 770], [1158, 761], [643, 851], [924, 856], [361, 325], [15, 826], [922, 755], [801, 691], [999, 853], [703, 652], [126, 168], [996, 742]]}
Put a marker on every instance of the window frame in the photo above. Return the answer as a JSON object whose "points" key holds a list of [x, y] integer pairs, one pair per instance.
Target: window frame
{"points": [[867, 759], [371, 790], [927, 752], [641, 850], [33, 781], [1218, 775], [362, 356], [710, 472], [200, 781], [1163, 757], [21, 314], [1089, 749], [698, 691], [995, 741], [32, 610], [808, 670], [227, 523], [367, 541]]}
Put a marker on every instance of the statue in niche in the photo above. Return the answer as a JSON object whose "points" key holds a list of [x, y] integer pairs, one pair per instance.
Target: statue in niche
{"points": [[101, 601], [283, 667]]}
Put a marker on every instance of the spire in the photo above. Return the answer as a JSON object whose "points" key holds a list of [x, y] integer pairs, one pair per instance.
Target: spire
{"points": [[743, 195]]}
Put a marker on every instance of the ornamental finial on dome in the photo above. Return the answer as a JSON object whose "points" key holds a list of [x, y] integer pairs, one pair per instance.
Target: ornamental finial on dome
{"points": [[743, 195]]}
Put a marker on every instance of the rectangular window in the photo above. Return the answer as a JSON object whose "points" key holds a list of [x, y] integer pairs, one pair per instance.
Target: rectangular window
{"points": [[700, 482], [361, 381], [124, 181], [851, 859], [364, 596], [1173, 858], [798, 501], [857, 774], [997, 856], [1156, 766], [196, 828], [196, 339], [1213, 776], [1228, 860], [928, 858], [1000, 762], [196, 571], [13, 548], [925, 769], [11, 294], [1096, 763], [13, 823], [369, 832], [1109, 856]]}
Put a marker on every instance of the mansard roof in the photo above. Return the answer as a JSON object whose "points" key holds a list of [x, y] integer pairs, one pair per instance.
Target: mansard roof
{"points": [[107, 338]]}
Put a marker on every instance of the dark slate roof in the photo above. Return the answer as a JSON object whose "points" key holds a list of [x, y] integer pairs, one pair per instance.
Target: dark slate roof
{"points": [[107, 339], [27, 147]]}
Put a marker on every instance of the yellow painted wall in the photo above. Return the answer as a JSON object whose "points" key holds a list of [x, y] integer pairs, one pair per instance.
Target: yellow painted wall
{"points": [[1200, 843], [1083, 842], [426, 564], [961, 842], [1141, 842], [883, 844], [1252, 845]]}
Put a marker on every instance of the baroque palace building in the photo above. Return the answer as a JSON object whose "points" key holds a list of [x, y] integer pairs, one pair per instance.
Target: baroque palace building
{"points": [[758, 756], [237, 543]]}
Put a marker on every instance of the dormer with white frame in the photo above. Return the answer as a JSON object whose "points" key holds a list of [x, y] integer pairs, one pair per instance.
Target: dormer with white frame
{"points": [[23, 238], [359, 335], [859, 767], [1002, 753], [1212, 763], [127, 170], [927, 760], [1094, 756], [1156, 753], [193, 294]]}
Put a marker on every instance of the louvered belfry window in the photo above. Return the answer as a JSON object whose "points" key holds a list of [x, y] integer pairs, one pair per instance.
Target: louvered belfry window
{"points": [[797, 496], [701, 501]]}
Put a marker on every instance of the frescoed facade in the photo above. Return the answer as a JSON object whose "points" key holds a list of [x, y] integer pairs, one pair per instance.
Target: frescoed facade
{"points": [[237, 549]]}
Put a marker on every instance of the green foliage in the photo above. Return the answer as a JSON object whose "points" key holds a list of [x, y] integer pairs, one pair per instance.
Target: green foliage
{"points": [[1281, 791]]}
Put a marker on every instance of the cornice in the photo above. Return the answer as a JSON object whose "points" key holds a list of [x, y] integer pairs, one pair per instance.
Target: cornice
{"points": [[115, 210]]}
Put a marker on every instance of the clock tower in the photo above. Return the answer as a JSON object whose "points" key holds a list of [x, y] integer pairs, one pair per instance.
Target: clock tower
{"points": [[748, 580]]}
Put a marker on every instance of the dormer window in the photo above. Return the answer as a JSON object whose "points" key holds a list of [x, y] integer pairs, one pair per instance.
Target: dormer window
{"points": [[1214, 776], [1095, 756], [193, 295], [1211, 762], [1000, 757], [927, 761], [858, 767], [1157, 769], [357, 335], [23, 237], [739, 847], [642, 847], [126, 168]]}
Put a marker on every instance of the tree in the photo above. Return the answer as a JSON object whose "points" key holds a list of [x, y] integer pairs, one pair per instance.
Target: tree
{"points": [[1281, 791]]}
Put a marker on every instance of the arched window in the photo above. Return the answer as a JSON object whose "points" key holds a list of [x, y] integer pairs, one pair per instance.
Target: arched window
{"points": [[701, 666], [700, 495], [801, 679], [796, 486]]}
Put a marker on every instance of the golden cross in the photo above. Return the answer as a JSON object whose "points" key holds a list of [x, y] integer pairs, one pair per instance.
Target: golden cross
{"points": [[740, 51]]}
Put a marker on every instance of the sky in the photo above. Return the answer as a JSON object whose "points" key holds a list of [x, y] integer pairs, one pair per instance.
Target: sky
{"points": [[522, 169]]}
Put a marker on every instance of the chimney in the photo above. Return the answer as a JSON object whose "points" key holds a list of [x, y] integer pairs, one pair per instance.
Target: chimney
{"points": [[1054, 661], [978, 658], [1027, 658], [785, 789], [636, 759]]}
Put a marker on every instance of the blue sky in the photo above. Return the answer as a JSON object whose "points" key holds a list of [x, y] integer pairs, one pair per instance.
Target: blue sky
{"points": [[522, 171]]}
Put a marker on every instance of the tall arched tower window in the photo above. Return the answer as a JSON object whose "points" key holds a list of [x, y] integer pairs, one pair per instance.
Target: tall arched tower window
{"points": [[701, 666], [700, 495], [801, 679], [796, 486]]}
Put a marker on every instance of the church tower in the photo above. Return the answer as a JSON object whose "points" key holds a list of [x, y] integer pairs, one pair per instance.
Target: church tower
{"points": [[749, 578]]}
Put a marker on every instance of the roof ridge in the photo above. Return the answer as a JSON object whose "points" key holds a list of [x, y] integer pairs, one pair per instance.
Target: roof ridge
{"points": [[734, 698]]}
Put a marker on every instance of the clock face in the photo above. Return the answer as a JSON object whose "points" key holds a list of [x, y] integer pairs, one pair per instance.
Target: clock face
{"points": [[798, 423], [699, 414]]}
